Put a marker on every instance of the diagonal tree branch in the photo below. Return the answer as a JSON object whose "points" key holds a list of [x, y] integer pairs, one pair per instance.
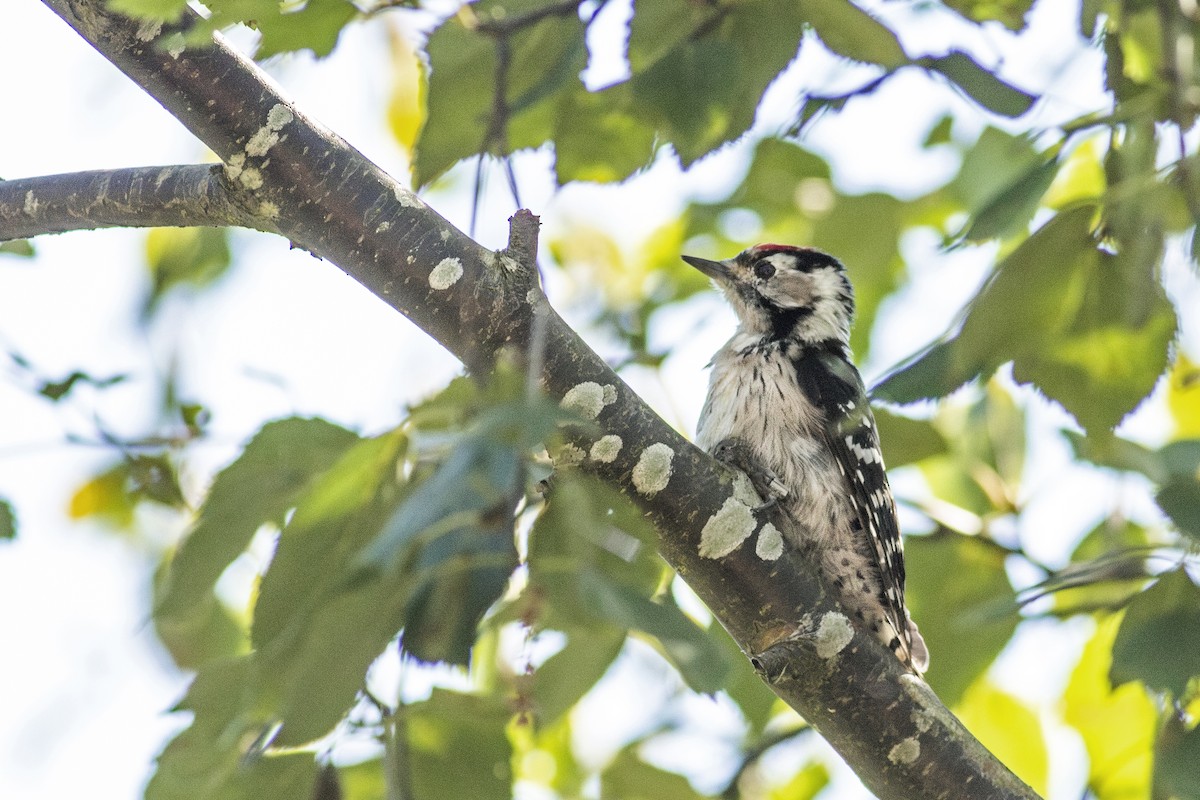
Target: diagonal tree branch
{"points": [[143, 197], [292, 175]]}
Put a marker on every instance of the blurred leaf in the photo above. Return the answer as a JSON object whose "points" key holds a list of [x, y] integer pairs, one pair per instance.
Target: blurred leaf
{"points": [[743, 685], [1155, 643], [1010, 13], [105, 496], [1117, 453], [22, 248], [1011, 211], [687, 646], [958, 592], [935, 372], [1117, 726], [906, 440], [980, 84], [1007, 728], [805, 784], [166, 10], [1180, 499], [627, 777], [940, 133], [1177, 760], [1183, 396], [194, 257], [365, 780], [407, 101], [259, 487], [457, 746], [57, 390], [851, 32], [1080, 178], [569, 674], [1107, 568], [315, 639], [8, 522]]}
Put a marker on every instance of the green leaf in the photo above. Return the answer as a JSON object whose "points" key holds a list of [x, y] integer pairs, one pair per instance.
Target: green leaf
{"points": [[1011, 211], [57, 390], [1180, 500], [8, 521], [702, 92], [980, 84], [851, 32], [458, 747], [702, 664], [958, 592], [1177, 760], [1155, 643], [937, 371], [906, 440], [630, 778], [1117, 726], [259, 487], [315, 27], [315, 639], [194, 257], [22, 248], [1007, 728], [165, 10], [806, 784], [1010, 13], [598, 137], [569, 674], [459, 100]]}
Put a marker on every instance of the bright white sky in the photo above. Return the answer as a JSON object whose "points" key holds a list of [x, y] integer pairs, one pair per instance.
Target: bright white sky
{"points": [[83, 684]]}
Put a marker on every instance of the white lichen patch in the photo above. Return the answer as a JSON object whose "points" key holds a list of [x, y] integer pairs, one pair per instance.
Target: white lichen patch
{"points": [[610, 394], [234, 166], [606, 448], [149, 30], [568, 456], [587, 399], [727, 529], [923, 718], [533, 297], [743, 490], [268, 209], [652, 472], [445, 274], [906, 751], [267, 136], [251, 178], [833, 634], [770, 543], [31, 203], [445, 235], [383, 226], [406, 198]]}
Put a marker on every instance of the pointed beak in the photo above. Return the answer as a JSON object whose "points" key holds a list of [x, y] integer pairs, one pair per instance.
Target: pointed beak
{"points": [[717, 270]]}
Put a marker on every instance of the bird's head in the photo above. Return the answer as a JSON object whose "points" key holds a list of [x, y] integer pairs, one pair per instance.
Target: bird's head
{"points": [[785, 292]]}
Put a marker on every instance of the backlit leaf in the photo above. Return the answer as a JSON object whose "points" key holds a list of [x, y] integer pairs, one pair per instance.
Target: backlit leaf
{"points": [[958, 592], [457, 746], [851, 32], [8, 521], [1009, 729], [1155, 643], [1117, 725], [980, 84]]}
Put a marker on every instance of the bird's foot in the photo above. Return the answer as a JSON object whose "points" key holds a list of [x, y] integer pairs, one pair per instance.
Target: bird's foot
{"points": [[736, 453]]}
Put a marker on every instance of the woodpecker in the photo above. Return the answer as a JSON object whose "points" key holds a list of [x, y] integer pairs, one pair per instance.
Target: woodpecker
{"points": [[787, 406]]}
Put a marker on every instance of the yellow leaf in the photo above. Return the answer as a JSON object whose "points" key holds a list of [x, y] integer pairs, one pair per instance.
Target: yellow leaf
{"points": [[406, 107], [1117, 726], [104, 495], [1009, 729], [1081, 177], [1183, 397]]}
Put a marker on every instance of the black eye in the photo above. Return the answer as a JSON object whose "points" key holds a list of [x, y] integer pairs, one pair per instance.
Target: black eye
{"points": [[764, 269]]}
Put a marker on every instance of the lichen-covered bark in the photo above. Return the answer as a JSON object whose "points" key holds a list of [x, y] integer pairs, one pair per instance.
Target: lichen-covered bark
{"points": [[323, 195]]}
